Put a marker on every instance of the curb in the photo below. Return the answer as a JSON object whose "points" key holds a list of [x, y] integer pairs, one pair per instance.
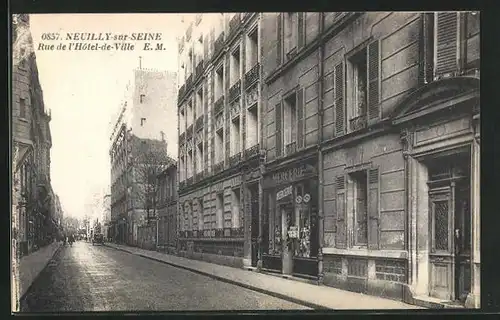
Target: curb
{"points": [[240, 284], [23, 297]]}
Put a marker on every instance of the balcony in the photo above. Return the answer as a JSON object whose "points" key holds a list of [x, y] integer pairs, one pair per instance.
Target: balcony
{"points": [[219, 122], [218, 45], [251, 152], [189, 82], [182, 136], [234, 24], [292, 53], [291, 148], [218, 167], [198, 123], [358, 123], [182, 90], [252, 75], [235, 91], [235, 159], [219, 105], [234, 109], [199, 69], [199, 176], [189, 132]]}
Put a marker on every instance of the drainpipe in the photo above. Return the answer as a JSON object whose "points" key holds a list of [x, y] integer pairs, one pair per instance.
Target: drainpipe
{"points": [[320, 153]]}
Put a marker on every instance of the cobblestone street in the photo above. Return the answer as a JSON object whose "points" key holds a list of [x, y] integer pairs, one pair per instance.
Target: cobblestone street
{"points": [[98, 278]]}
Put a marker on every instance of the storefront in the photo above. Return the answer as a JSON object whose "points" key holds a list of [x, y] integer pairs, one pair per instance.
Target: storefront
{"points": [[290, 220]]}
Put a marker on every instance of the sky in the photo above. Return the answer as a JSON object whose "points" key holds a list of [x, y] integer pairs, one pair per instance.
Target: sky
{"points": [[83, 90]]}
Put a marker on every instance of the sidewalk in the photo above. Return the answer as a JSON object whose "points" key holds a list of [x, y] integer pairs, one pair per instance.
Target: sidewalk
{"points": [[26, 269], [317, 297]]}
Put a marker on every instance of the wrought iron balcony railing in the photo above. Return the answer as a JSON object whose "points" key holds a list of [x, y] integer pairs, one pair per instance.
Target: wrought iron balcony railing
{"points": [[199, 69], [291, 148], [218, 167], [219, 122], [199, 122], [189, 82], [235, 90], [234, 110], [182, 90], [219, 44], [234, 23], [358, 123], [189, 131], [252, 75], [252, 151], [182, 136], [235, 159], [291, 54], [199, 176], [219, 105]]}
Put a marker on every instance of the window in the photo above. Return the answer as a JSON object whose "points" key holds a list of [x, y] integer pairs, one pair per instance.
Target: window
{"points": [[141, 98], [143, 121], [190, 164], [290, 119], [360, 94], [219, 146], [234, 219], [199, 157], [235, 136], [199, 103], [252, 130], [219, 208], [359, 191], [235, 66], [252, 49], [219, 83], [182, 121], [22, 108], [290, 38]]}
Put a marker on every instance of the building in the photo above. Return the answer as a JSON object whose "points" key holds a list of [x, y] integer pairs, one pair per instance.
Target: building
{"points": [[32, 205], [141, 135], [390, 203], [219, 132], [167, 209], [106, 215]]}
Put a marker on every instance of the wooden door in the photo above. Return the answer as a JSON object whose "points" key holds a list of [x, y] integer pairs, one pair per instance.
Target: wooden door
{"points": [[462, 241], [441, 256]]}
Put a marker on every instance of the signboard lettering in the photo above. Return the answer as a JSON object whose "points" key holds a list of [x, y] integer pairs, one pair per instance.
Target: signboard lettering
{"points": [[284, 193]]}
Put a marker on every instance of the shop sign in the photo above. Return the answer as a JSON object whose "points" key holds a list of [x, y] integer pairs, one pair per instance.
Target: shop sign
{"points": [[293, 232], [289, 175], [284, 193], [298, 199], [307, 197]]}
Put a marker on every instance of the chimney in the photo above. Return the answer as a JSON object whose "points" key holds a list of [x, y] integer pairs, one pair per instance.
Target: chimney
{"points": [[162, 136]]}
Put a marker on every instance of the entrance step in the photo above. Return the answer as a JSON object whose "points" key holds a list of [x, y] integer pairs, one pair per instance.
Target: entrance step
{"points": [[434, 303]]}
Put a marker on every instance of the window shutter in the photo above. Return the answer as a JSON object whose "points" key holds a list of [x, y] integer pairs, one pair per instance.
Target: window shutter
{"points": [[427, 48], [339, 99], [277, 120], [341, 234], [279, 44], [373, 80], [446, 43], [301, 29], [300, 118], [373, 208]]}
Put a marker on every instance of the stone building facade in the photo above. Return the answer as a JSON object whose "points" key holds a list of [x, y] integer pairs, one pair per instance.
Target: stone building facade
{"points": [[167, 209], [144, 118], [219, 138], [385, 106], [33, 204]]}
